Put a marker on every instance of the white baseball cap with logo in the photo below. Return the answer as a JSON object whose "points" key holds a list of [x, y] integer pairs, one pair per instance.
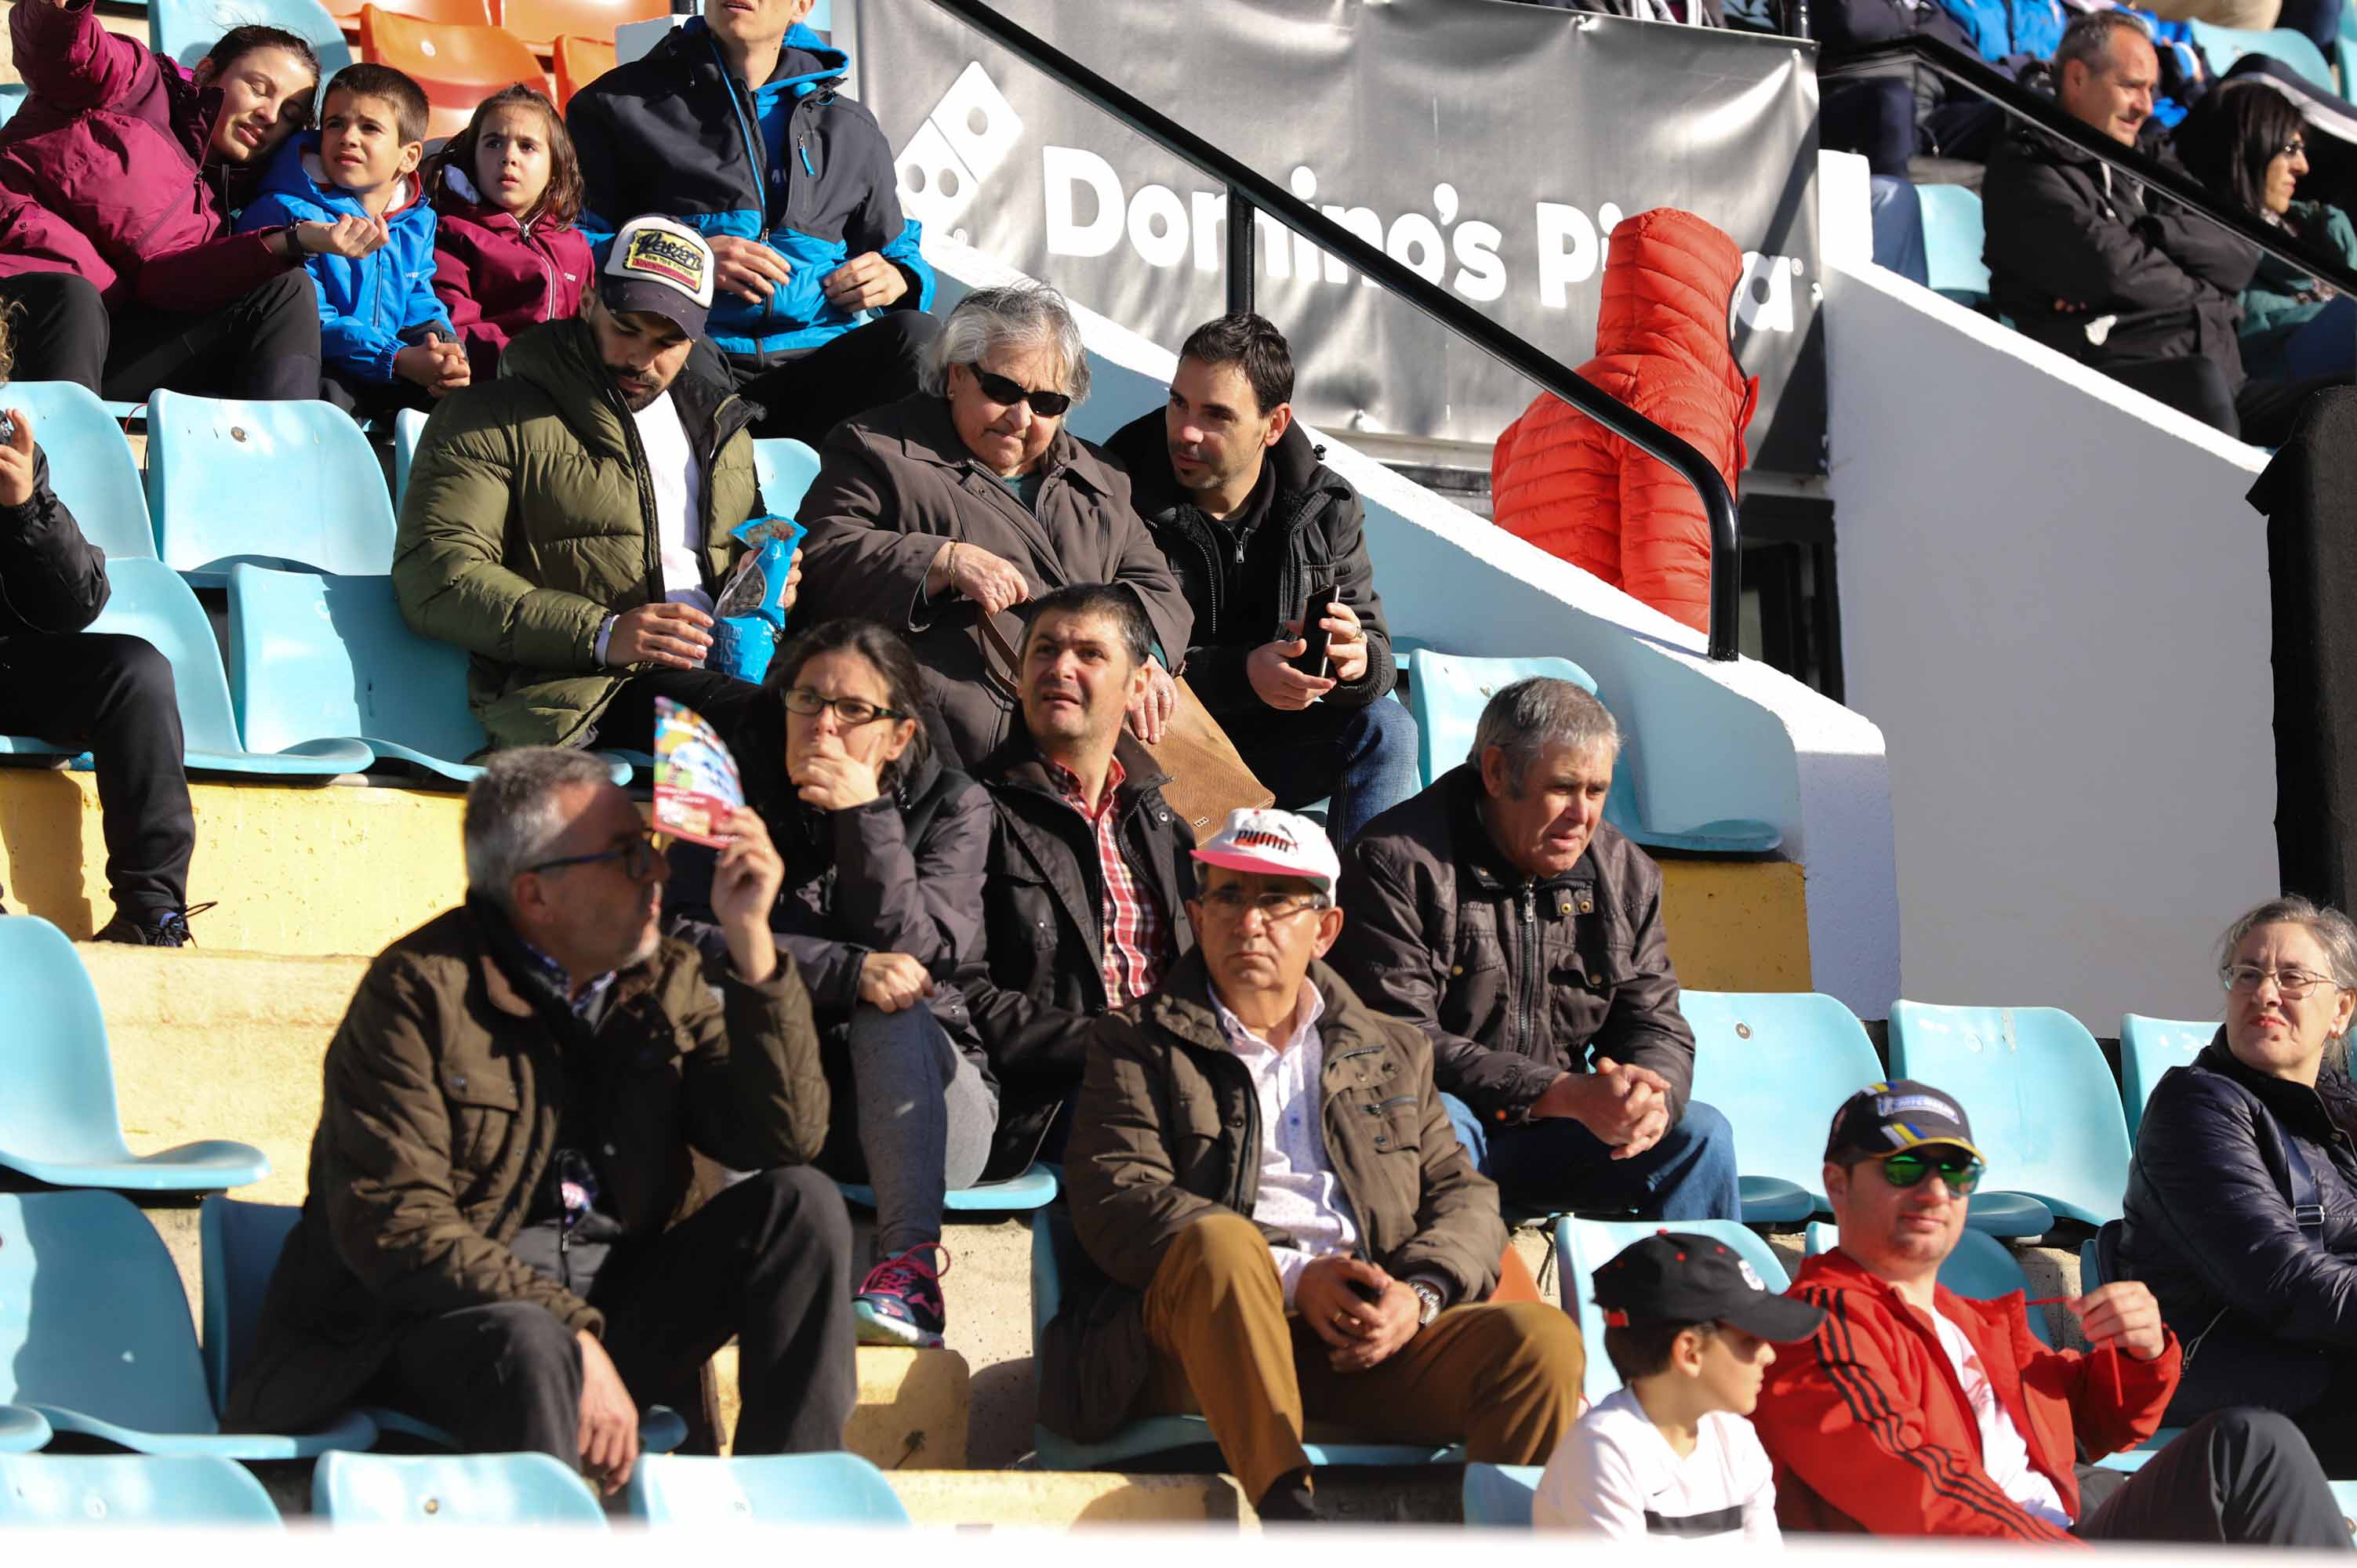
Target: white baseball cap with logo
{"points": [[1274, 843], [660, 266]]}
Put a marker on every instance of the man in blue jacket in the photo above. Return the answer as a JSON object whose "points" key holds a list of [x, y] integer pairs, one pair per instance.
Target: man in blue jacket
{"points": [[734, 126]]}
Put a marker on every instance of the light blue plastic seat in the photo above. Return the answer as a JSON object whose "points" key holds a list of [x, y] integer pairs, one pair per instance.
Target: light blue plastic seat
{"points": [[54, 1490], [91, 465], [2148, 1049], [1585, 1245], [765, 1488], [12, 97], [1981, 1268], [786, 467], [1052, 1244], [1501, 1496], [2222, 46], [1777, 1066], [496, 1490], [95, 1334], [22, 1431], [58, 1121], [276, 483], [2040, 1097], [1953, 236], [407, 426], [1034, 1188], [188, 29]]}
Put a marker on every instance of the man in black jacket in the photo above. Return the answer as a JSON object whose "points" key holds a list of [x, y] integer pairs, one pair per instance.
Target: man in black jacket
{"points": [[1252, 525], [1084, 909], [2088, 261], [111, 693]]}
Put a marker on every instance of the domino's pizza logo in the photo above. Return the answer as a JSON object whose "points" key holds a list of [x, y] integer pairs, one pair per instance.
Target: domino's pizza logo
{"points": [[968, 137]]}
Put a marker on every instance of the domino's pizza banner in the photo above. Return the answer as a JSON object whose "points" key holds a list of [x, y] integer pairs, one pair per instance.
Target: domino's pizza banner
{"points": [[1492, 146]]}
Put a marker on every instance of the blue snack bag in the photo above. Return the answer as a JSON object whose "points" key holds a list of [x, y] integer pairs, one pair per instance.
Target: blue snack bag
{"points": [[748, 620]]}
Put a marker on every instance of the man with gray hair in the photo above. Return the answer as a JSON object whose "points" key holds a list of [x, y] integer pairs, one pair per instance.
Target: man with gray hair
{"points": [[939, 514], [1499, 911], [511, 1106]]}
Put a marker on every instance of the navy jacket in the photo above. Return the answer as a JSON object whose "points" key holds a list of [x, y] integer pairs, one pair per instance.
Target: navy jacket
{"points": [[675, 133]]}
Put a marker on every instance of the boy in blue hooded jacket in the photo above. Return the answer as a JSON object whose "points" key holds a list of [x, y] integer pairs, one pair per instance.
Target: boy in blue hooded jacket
{"points": [[385, 339]]}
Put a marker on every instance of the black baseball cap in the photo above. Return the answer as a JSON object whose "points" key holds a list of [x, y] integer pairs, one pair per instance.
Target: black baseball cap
{"points": [[1677, 1278], [1892, 1118]]}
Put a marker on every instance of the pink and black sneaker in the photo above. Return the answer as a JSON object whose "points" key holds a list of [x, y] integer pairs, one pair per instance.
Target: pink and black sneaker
{"points": [[899, 1303]]}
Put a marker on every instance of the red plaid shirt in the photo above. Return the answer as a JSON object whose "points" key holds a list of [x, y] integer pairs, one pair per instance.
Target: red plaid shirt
{"points": [[1137, 934]]}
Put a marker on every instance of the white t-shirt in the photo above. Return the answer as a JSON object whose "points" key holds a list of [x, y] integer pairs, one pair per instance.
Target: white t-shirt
{"points": [[1616, 1476], [2004, 1454], [678, 480]]}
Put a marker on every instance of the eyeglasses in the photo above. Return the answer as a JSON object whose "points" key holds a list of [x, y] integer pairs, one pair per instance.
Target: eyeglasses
{"points": [[1001, 390], [2292, 983], [1961, 1172], [1231, 902], [853, 711], [2294, 147], [639, 857]]}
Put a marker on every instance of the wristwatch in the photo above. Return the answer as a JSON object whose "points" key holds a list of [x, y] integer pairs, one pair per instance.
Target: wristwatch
{"points": [[1430, 1297]]}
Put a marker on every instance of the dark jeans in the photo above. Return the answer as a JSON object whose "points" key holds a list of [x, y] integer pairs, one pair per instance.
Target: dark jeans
{"points": [[767, 1262], [1364, 759], [114, 696], [2262, 412], [629, 721], [2325, 346], [816, 389], [2317, 20], [379, 400], [1557, 1163], [264, 346], [2237, 1478]]}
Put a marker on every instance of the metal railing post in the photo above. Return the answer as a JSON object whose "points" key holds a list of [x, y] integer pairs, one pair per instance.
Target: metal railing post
{"points": [[1243, 251]]}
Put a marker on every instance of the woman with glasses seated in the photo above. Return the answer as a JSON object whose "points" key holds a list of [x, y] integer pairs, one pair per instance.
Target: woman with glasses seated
{"points": [[2241, 1201], [938, 514], [884, 847]]}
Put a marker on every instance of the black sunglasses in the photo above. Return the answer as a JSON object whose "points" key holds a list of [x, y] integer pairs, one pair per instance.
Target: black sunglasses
{"points": [[1000, 389], [639, 857]]}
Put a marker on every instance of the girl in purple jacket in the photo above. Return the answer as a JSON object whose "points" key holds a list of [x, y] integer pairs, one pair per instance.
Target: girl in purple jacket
{"points": [[506, 255]]}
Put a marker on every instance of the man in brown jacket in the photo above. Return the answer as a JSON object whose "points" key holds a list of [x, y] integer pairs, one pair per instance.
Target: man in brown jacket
{"points": [[489, 1243], [1285, 1226], [1498, 910]]}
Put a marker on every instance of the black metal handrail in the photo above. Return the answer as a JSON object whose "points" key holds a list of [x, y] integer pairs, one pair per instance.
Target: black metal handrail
{"points": [[1248, 190], [2022, 103]]}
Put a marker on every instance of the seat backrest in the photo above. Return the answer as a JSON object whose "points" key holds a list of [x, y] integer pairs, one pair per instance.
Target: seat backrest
{"points": [[306, 489], [188, 29], [442, 12], [2043, 1106], [240, 1244], [2222, 46], [146, 599], [59, 1103], [579, 62], [1501, 1496], [12, 97], [1585, 1245], [91, 465], [407, 426], [453, 1489], [64, 1489], [540, 23], [456, 64], [786, 467], [2149, 1048], [768, 1488], [93, 1314], [1981, 1268], [1450, 689], [1778, 1065], [1953, 236]]}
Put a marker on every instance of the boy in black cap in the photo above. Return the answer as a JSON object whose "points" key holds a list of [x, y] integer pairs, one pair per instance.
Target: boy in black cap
{"points": [[1691, 1328]]}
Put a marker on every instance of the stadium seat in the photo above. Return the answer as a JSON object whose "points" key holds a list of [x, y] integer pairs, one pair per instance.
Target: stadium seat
{"points": [[1172, 1438], [54, 1490], [91, 465], [2222, 46], [1583, 1246], [12, 97], [1778, 1065], [22, 1431], [2149, 1048], [768, 1488], [579, 62], [2043, 1106], [95, 1336], [185, 30], [514, 1491], [1500, 1496], [407, 426], [1953, 236], [540, 23], [442, 12], [148, 600], [786, 467], [1981, 1268], [458, 65], [58, 1117], [278, 483], [1034, 1188]]}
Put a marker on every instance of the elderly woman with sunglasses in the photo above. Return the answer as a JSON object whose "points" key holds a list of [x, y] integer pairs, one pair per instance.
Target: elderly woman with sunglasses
{"points": [[938, 515], [881, 908], [2241, 1201]]}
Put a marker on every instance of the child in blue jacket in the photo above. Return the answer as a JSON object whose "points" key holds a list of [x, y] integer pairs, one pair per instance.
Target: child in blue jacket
{"points": [[385, 339]]}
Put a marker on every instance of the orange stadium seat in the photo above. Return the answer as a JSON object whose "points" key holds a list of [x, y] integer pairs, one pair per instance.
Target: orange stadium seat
{"points": [[459, 66], [463, 13], [579, 62], [541, 23]]}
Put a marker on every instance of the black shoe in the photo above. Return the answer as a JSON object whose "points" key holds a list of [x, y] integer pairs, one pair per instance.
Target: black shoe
{"points": [[169, 930], [1289, 1502]]}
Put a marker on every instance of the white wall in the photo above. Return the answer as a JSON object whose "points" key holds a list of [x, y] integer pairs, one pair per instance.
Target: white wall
{"points": [[2054, 604]]}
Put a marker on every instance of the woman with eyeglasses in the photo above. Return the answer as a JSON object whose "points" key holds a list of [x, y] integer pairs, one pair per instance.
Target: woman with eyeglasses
{"points": [[2241, 1201], [946, 510], [881, 908]]}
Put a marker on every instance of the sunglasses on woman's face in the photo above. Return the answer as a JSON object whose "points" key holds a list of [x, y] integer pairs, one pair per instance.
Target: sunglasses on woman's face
{"points": [[1961, 1172], [1008, 392]]}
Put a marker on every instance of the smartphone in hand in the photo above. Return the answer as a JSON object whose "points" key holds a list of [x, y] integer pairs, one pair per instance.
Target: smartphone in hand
{"points": [[1314, 660]]}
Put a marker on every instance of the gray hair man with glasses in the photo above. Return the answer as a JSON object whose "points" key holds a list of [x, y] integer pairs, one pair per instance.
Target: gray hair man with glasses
{"points": [[504, 1141]]}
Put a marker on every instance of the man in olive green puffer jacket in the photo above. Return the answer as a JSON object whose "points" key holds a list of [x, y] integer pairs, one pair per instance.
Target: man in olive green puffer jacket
{"points": [[568, 523]]}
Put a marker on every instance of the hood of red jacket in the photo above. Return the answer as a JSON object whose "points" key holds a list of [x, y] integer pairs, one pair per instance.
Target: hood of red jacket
{"points": [[1669, 281]]}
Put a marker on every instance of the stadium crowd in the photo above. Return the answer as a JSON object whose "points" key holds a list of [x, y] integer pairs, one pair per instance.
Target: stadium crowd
{"points": [[582, 1131]]}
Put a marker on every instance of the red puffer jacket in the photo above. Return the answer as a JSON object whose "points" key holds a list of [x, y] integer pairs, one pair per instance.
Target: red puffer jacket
{"points": [[497, 276], [1561, 481], [102, 171]]}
